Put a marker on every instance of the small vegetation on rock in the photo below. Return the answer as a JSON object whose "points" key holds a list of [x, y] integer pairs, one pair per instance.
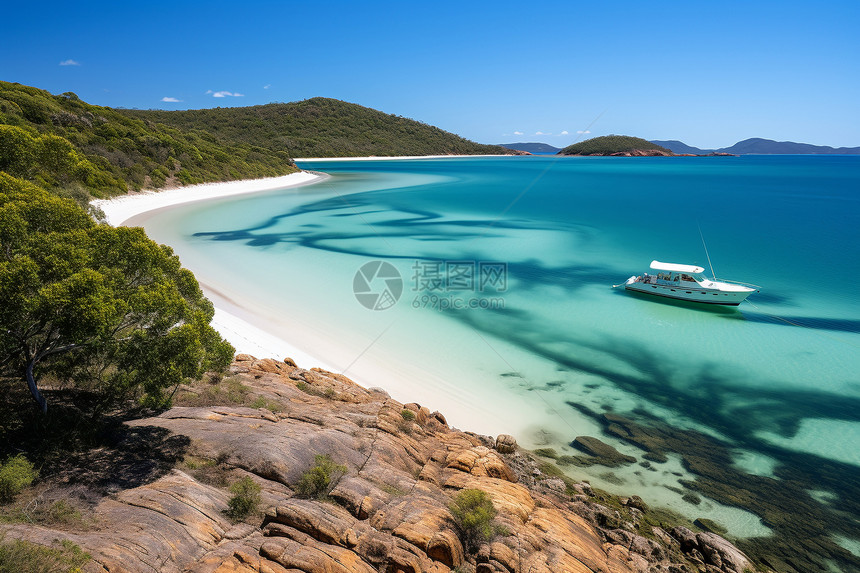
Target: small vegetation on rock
{"points": [[263, 402], [246, 498], [214, 391], [315, 391], [321, 478], [473, 513], [16, 473], [25, 557], [214, 472], [406, 421]]}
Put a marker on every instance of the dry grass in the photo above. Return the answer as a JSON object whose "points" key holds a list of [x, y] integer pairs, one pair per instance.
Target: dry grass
{"points": [[214, 391]]}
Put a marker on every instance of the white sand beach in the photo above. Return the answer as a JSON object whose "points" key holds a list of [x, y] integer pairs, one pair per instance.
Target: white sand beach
{"points": [[394, 157], [120, 209]]}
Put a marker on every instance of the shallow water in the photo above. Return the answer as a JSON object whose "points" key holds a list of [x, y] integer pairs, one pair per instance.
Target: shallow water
{"points": [[775, 381]]}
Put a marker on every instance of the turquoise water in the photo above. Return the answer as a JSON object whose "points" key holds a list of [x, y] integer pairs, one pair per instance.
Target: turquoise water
{"points": [[772, 388]]}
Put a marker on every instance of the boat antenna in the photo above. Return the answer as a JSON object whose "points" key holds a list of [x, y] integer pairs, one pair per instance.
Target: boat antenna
{"points": [[713, 274]]}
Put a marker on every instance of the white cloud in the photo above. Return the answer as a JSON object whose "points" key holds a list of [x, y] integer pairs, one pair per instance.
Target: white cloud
{"points": [[564, 132], [542, 133], [583, 131], [69, 62], [225, 94], [170, 99], [518, 133], [267, 86]]}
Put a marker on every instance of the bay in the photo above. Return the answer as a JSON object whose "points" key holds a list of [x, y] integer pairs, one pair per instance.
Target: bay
{"points": [[764, 397]]}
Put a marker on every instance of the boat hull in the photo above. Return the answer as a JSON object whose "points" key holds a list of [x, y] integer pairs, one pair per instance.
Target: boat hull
{"points": [[704, 296]]}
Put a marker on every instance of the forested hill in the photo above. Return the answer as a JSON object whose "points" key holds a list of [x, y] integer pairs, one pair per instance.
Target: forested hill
{"points": [[615, 145], [61, 142], [320, 127]]}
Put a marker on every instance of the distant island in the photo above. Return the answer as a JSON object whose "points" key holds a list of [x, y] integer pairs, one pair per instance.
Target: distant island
{"points": [[533, 147], [759, 146], [622, 145], [616, 145]]}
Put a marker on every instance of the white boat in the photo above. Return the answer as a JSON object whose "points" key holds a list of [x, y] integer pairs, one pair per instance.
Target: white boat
{"points": [[688, 282]]}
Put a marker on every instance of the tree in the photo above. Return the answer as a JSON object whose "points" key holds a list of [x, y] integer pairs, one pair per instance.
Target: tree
{"points": [[103, 308]]}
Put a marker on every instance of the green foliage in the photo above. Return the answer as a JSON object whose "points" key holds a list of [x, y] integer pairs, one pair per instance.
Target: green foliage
{"points": [[407, 415], [321, 478], [25, 557], [314, 391], [105, 309], [473, 513], [262, 402], [51, 161], [61, 512], [608, 144], [56, 140], [206, 470], [16, 473], [318, 127], [245, 500], [57, 513]]}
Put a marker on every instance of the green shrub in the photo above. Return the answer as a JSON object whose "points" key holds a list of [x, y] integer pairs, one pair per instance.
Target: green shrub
{"points": [[314, 391], [62, 512], [407, 415], [25, 557], [321, 478], [473, 513], [15, 474], [245, 500]]}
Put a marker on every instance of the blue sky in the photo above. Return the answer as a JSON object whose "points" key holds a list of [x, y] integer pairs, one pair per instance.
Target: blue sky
{"points": [[707, 73]]}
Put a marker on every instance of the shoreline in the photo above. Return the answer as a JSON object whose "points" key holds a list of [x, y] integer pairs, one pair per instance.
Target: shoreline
{"points": [[400, 157], [237, 324], [119, 210]]}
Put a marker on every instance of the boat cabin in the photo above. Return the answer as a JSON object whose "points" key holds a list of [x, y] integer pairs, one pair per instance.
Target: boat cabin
{"points": [[673, 274]]}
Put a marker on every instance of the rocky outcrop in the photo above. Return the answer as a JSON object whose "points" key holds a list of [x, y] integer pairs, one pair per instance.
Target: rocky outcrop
{"points": [[389, 512], [600, 452]]}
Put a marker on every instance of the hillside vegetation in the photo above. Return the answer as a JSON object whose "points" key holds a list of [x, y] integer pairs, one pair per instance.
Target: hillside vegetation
{"points": [[61, 142], [319, 127], [610, 144]]}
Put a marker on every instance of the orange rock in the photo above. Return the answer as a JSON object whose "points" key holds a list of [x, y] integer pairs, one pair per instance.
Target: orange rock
{"points": [[480, 461], [508, 497]]}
